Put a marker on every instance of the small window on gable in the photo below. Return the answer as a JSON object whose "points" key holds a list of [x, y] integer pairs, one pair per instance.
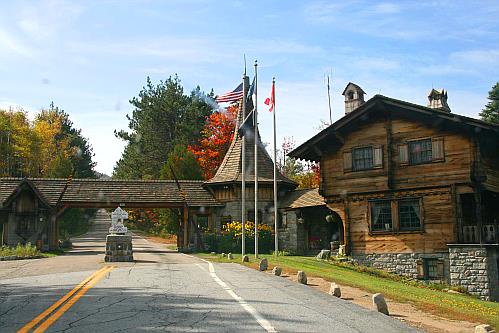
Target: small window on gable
{"points": [[420, 151], [350, 95], [362, 158]]}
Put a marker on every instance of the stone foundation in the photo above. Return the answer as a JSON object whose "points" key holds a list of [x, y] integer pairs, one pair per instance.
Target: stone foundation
{"points": [[119, 248], [401, 263], [475, 267]]}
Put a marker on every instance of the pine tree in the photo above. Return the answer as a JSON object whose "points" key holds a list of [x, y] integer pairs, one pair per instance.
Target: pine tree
{"points": [[491, 111]]}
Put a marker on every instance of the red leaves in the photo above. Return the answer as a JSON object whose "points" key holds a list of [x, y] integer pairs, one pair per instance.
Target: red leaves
{"points": [[216, 138]]}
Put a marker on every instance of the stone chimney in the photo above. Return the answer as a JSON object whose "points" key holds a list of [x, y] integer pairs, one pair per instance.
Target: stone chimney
{"points": [[354, 97], [437, 99]]}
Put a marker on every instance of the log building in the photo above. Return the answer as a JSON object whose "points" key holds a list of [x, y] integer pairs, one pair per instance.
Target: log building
{"points": [[416, 188]]}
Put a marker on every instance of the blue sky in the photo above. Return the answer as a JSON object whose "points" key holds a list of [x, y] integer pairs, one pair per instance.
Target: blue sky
{"points": [[91, 57]]}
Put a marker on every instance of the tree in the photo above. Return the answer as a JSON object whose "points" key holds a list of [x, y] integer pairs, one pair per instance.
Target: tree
{"points": [[163, 116], [491, 111], [63, 150], [216, 137], [184, 164], [307, 175]]}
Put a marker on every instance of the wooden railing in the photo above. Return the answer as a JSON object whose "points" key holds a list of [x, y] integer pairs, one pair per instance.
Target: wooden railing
{"points": [[470, 234]]}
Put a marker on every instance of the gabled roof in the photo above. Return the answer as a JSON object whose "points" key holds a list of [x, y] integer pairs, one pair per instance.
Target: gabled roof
{"points": [[86, 192], [312, 148], [302, 198], [355, 86], [16, 190], [230, 169]]}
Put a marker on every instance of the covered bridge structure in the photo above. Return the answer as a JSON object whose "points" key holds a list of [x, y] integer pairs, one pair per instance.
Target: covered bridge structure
{"points": [[30, 207]]}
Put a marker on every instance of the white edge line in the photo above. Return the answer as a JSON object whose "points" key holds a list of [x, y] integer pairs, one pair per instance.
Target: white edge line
{"points": [[264, 323]]}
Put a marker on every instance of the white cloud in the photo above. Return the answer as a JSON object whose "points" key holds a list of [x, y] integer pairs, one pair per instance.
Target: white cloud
{"points": [[10, 45]]}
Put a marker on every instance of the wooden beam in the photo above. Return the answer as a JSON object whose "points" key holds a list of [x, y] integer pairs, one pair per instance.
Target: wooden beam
{"points": [[186, 227]]}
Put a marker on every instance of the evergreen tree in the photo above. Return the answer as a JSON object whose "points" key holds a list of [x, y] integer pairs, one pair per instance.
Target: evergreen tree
{"points": [[491, 111], [184, 165], [163, 116]]}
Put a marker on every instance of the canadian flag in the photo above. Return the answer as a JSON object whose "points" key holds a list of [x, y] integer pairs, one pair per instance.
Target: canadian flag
{"points": [[271, 100]]}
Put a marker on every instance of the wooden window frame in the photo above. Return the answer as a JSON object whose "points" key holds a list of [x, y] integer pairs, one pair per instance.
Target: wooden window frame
{"points": [[394, 206], [420, 203], [410, 153], [437, 151], [359, 149]]}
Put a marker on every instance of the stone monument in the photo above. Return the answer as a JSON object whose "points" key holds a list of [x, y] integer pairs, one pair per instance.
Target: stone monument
{"points": [[118, 242]]}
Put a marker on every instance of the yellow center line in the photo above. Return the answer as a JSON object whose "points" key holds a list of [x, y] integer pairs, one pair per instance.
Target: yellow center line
{"points": [[53, 318], [54, 306]]}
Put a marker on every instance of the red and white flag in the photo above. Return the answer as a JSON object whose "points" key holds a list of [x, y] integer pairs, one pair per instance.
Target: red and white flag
{"points": [[271, 100]]}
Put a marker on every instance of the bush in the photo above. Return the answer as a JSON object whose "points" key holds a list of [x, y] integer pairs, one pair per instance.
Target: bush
{"points": [[230, 238], [22, 251]]}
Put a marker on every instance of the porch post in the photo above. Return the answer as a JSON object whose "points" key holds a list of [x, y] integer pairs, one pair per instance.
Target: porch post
{"points": [[186, 226]]}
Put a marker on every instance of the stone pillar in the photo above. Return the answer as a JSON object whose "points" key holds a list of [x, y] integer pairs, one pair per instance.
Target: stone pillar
{"points": [[474, 267], [118, 248]]}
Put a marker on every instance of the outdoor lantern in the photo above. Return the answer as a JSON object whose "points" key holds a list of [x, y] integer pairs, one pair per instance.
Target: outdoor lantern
{"points": [[329, 218]]}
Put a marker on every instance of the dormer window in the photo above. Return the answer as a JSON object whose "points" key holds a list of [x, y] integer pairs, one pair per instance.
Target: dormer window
{"points": [[350, 95]]}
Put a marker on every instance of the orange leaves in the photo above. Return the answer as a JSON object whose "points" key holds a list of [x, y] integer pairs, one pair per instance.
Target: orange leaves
{"points": [[216, 137]]}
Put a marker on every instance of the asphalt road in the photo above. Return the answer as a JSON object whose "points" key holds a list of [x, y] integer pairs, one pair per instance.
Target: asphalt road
{"points": [[168, 292]]}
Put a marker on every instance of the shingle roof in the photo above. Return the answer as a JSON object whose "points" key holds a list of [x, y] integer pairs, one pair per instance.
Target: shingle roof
{"points": [[311, 149], [230, 169], [133, 192], [302, 198]]}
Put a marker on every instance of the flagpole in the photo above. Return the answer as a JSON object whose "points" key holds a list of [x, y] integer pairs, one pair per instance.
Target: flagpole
{"points": [[276, 241], [243, 166], [255, 115]]}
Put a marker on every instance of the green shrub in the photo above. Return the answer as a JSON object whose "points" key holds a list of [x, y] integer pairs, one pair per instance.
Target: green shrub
{"points": [[21, 251]]}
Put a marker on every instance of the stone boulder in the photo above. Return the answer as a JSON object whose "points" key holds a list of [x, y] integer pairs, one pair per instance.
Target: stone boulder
{"points": [[245, 258], [301, 277], [335, 290], [277, 271], [324, 255], [379, 303], [484, 329], [264, 264]]}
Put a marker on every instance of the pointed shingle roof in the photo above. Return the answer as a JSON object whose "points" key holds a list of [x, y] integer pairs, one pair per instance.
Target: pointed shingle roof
{"points": [[230, 169]]}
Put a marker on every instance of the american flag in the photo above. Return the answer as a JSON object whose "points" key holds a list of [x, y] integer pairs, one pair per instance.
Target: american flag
{"points": [[231, 96]]}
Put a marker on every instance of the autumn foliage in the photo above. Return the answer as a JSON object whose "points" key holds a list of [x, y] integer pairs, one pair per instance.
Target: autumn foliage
{"points": [[216, 137]]}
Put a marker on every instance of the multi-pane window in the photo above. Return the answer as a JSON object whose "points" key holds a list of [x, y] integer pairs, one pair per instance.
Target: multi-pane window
{"points": [[362, 158], [381, 215], [405, 215], [409, 215], [430, 269], [420, 151]]}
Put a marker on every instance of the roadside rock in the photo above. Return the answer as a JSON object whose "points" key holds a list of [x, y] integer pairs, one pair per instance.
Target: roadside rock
{"points": [[324, 255], [335, 290], [380, 304], [264, 264], [484, 329], [245, 258], [277, 271], [301, 277]]}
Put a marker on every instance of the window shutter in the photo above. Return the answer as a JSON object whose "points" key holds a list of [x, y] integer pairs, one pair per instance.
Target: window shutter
{"points": [[403, 154], [420, 268], [440, 269], [347, 161], [378, 157], [437, 149]]}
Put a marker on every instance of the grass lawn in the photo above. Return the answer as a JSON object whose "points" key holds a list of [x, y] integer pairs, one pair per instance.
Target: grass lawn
{"points": [[453, 306]]}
